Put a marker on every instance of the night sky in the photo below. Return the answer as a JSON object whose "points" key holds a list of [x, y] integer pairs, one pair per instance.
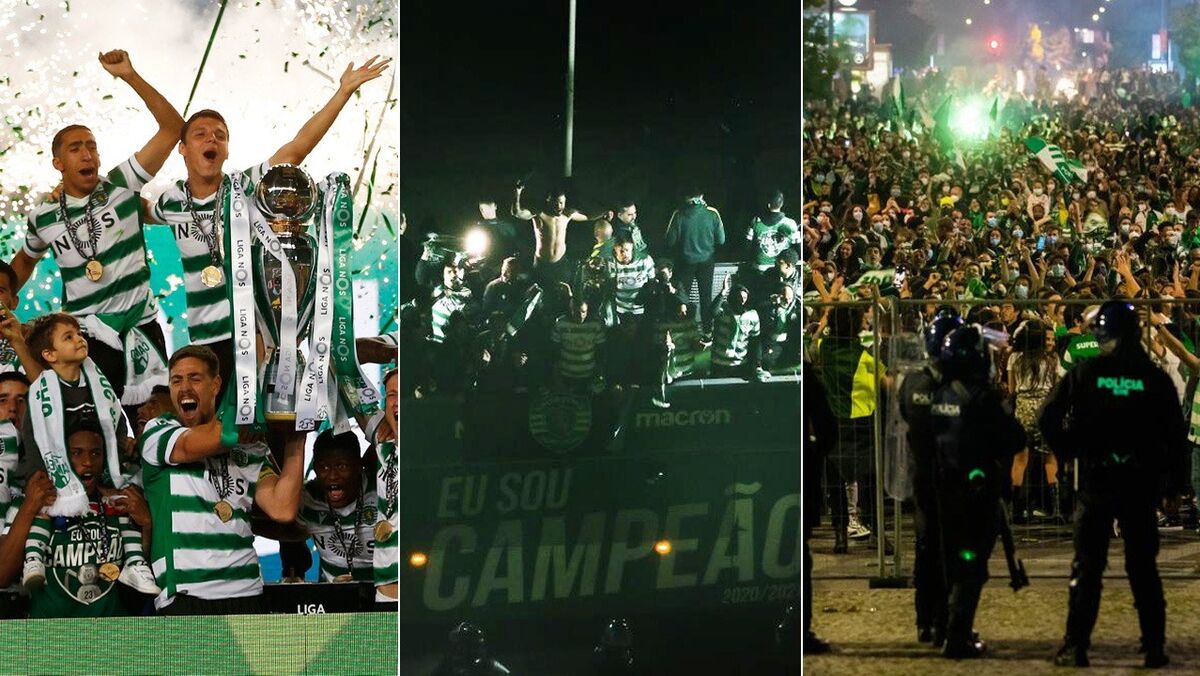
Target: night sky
{"points": [[668, 94]]}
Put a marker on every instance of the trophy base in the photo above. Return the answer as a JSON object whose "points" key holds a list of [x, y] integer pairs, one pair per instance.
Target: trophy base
{"points": [[278, 408]]}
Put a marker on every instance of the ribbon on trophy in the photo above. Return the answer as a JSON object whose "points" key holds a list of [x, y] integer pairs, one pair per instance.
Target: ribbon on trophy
{"points": [[346, 391], [312, 402], [286, 341], [242, 407]]}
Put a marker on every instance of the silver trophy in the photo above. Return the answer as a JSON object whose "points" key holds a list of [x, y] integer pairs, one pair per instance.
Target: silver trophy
{"points": [[287, 197]]}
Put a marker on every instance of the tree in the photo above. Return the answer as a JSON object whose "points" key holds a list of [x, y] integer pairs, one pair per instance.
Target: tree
{"points": [[820, 61], [1185, 33]]}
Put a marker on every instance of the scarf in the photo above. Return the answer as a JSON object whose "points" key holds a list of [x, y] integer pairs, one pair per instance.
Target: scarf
{"points": [[49, 430]]}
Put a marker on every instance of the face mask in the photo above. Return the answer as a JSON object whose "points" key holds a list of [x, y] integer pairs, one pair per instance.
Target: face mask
{"points": [[1091, 194], [1078, 196], [1021, 291], [878, 226], [1038, 191], [1058, 270], [1051, 239], [995, 241], [858, 215], [895, 192], [1174, 239], [829, 278], [819, 178], [1012, 274], [1125, 228], [1018, 233], [992, 221], [1122, 173], [827, 210]]}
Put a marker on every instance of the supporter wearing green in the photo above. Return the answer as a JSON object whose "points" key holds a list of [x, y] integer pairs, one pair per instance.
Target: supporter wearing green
{"points": [[578, 338], [1077, 345], [387, 481], [450, 297], [338, 509], [772, 233], [187, 205], [628, 274], [201, 492], [685, 338], [78, 552], [736, 329], [99, 244]]}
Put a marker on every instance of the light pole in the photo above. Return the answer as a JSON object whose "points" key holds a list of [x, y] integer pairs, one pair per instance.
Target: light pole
{"points": [[570, 90]]}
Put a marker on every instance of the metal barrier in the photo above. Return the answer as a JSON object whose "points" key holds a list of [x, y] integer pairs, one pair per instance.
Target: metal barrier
{"points": [[1044, 537]]}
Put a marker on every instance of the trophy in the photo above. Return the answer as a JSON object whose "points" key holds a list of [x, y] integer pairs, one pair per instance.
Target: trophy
{"points": [[287, 197]]}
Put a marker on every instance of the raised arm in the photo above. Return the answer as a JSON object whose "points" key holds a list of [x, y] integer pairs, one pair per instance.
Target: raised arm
{"points": [[517, 210], [279, 495], [156, 151], [294, 151]]}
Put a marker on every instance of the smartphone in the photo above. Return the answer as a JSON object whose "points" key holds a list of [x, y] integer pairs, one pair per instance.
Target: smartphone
{"points": [[1041, 243], [901, 275]]}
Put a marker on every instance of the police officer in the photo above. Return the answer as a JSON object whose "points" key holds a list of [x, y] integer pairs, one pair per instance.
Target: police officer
{"points": [[976, 437], [820, 436], [916, 394], [1100, 414]]}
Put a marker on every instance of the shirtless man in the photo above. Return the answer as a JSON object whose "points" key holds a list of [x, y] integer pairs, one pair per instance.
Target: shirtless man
{"points": [[550, 234]]}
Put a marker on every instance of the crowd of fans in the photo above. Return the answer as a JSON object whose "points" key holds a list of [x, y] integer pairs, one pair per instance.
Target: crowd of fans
{"points": [[893, 209], [534, 314]]}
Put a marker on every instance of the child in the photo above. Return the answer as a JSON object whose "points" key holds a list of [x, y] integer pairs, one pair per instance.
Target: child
{"points": [[70, 391]]}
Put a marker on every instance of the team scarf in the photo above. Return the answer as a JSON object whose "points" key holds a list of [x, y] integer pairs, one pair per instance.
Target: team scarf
{"points": [[49, 431], [145, 366]]}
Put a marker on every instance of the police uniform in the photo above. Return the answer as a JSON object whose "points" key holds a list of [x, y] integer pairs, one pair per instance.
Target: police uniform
{"points": [[976, 437], [1119, 414], [916, 395]]}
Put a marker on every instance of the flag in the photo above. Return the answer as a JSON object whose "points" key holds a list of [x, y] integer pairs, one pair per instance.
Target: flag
{"points": [[898, 98], [1052, 157], [994, 117], [941, 125]]}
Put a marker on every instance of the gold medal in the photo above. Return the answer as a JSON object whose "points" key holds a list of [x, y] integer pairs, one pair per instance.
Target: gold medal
{"points": [[94, 270], [383, 530], [224, 511], [110, 571], [211, 276], [344, 578]]}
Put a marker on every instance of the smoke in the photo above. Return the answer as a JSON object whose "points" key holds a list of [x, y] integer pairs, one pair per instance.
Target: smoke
{"points": [[273, 64]]}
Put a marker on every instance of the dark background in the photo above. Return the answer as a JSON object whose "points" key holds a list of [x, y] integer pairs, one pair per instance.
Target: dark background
{"points": [[667, 94]]}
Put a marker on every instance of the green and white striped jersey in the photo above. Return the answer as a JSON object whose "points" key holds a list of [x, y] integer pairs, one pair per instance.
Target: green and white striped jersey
{"points": [[192, 550], [578, 342], [771, 239], [121, 247], [387, 478], [629, 280], [732, 333], [685, 333], [357, 518], [448, 302], [209, 317]]}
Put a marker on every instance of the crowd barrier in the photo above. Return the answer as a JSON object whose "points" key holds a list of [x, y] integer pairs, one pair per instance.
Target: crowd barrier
{"points": [[1044, 539]]}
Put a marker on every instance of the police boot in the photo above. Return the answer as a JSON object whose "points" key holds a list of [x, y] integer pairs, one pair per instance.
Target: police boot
{"points": [[1071, 655], [1156, 658]]}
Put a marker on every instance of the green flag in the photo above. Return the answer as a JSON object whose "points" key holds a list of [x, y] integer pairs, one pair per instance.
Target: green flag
{"points": [[898, 98], [941, 125], [1052, 157]]}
